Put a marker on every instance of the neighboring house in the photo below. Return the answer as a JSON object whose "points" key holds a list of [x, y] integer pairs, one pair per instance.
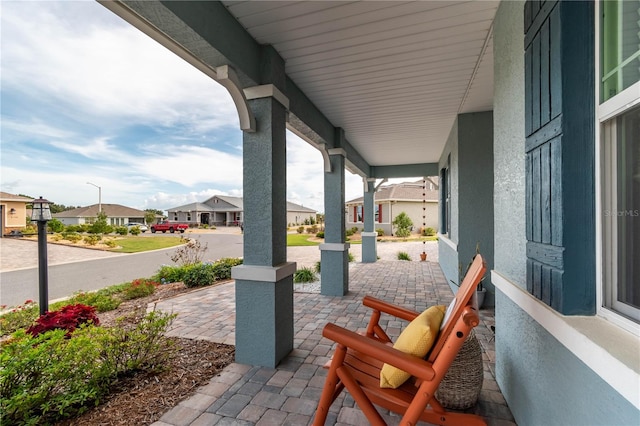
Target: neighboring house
{"points": [[13, 212], [117, 215], [222, 210], [391, 200]]}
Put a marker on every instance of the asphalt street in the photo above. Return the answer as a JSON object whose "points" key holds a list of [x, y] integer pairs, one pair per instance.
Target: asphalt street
{"points": [[66, 278]]}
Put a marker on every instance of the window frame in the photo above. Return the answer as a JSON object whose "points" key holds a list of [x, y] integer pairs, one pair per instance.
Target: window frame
{"points": [[606, 197]]}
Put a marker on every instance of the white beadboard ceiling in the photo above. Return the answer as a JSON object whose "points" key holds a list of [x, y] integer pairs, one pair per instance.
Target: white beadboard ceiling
{"points": [[392, 74]]}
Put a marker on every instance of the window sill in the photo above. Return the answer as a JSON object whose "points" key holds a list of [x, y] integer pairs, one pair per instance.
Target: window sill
{"points": [[611, 352], [445, 239]]}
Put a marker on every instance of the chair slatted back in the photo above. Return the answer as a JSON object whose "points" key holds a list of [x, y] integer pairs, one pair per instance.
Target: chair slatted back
{"points": [[464, 297]]}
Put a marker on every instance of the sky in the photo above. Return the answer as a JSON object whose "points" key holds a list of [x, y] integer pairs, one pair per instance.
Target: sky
{"points": [[86, 97]]}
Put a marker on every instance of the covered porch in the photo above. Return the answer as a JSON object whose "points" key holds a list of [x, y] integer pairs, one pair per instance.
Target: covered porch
{"points": [[289, 393]]}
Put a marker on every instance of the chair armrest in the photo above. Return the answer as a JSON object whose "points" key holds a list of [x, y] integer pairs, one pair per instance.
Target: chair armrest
{"points": [[413, 365], [388, 308]]}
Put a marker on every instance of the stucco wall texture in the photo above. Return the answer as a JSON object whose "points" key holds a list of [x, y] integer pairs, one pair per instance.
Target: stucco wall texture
{"points": [[560, 389]]}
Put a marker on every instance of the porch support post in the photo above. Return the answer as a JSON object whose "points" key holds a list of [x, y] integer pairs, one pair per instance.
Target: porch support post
{"points": [[334, 253], [369, 236], [264, 283]]}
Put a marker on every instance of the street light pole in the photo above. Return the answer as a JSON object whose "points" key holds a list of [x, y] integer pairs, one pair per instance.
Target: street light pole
{"points": [[99, 196]]}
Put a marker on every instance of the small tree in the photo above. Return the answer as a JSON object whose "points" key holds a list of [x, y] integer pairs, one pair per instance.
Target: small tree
{"points": [[149, 217], [403, 224], [100, 226], [55, 225]]}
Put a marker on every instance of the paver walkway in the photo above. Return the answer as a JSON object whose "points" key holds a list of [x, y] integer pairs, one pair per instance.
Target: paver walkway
{"points": [[288, 394]]}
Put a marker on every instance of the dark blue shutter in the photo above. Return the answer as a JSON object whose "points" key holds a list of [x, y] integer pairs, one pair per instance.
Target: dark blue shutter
{"points": [[559, 123]]}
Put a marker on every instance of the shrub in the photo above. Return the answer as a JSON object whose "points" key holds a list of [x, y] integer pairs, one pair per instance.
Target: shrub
{"points": [[222, 267], [92, 240], [403, 255], [313, 229], [74, 237], [49, 377], [68, 318], [140, 287], [427, 232], [135, 230], [54, 225], [56, 237], [403, 224], [380, 232], [300, 229], [349, 232], [121, 230], [21, 316], [171, 274], [318, 266], [100, 226], [102, 300], [200, 275], [110, 243], [189, 254], [351, 257], [320, 234], [304, 275], [73, 228]]}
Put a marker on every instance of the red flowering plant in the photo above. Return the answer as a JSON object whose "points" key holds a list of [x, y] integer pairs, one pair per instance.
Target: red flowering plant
{"points": [[67, 318]]}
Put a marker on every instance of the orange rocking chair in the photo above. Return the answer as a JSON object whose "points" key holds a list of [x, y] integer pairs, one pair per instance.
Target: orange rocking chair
{"points": [[358, 360]]}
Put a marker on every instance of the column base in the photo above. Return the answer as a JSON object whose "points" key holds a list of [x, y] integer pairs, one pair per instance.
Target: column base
{"points": [[369, 248], [334, 271]]}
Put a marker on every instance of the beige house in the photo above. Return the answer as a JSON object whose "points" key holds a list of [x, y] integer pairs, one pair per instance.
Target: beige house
{"points": [[117, 215], [13, 212], [391, 200], [223, 210]]}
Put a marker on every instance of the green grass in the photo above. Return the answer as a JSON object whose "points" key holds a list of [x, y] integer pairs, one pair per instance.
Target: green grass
{"points": [[138, 244], [296, 240]]}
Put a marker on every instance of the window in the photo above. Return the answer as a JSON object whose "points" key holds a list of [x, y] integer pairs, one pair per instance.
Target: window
{"points": [[175, 216], [619, 149], [189, 217], [357, 213], [378, 214], [445, 198]]}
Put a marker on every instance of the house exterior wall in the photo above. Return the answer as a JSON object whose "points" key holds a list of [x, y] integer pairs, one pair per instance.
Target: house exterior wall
{"points": [[15, 221], [392, 209], [470, 150], [298, 218], [550, 370]]}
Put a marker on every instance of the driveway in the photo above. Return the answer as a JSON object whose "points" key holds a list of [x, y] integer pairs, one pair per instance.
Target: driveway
{"points": [[18, 254]]}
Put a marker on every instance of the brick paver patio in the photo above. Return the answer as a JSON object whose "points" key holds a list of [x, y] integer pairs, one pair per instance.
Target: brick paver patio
{"points": [[288, 394]]}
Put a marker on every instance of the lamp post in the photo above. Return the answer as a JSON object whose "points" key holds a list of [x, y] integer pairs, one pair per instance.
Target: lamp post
{"points": [[99, 195], [41, 213]]}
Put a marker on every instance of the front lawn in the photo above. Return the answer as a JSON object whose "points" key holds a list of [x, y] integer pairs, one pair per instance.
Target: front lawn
{"points": [[297, 240], [139, 244]]}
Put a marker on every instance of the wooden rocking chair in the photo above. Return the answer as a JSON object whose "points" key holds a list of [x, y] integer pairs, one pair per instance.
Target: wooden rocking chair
{"points": [[358, 359]]}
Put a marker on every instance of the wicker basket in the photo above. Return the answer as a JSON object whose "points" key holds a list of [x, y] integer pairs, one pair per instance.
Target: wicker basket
{"points": [[462, 384]]}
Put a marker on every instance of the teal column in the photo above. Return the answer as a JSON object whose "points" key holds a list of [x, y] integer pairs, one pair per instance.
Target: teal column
{"points": [[264, 283], [334, 253], [369, 236]]}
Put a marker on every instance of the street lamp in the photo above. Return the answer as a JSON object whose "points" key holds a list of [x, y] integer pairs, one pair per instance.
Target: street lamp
{"points": [[99, 196], [41, 213]]}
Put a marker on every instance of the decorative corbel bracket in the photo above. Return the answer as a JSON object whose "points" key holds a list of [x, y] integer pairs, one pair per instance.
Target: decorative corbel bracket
{"points": [[228, 78]]}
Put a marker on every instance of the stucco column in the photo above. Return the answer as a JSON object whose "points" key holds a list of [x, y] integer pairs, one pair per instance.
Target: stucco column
{"points": [[334, 253], [369, 236], [264, 283]]}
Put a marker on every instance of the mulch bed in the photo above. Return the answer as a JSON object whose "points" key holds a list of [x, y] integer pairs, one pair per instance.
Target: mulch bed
{"points": [[143, 398]]}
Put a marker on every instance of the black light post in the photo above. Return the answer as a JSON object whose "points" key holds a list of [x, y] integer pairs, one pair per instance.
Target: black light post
{"points": [[41, 213]]}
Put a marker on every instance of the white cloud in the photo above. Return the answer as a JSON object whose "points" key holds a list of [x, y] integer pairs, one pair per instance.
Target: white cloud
{"points": [[111, 69]]}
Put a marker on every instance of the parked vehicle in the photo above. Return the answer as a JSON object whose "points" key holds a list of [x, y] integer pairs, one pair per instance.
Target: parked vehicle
{"points": [[142, 226], [172, 227]]}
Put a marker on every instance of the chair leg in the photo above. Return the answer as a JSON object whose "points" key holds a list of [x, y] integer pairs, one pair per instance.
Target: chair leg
{"points": [[361, 398], [332, 387]]}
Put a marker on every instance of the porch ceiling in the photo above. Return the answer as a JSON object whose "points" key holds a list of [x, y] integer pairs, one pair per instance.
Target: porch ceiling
{"points": [[393, 75]]}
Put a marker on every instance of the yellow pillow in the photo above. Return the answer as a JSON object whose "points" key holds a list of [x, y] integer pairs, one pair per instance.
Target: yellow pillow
{"points": [[416, 340]]}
